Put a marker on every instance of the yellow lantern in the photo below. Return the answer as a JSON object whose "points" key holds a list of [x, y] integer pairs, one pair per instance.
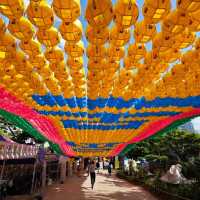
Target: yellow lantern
{"points": [[155, 10], [38, 61], [52, 84], [136, 51], [111, 64], [129, 63], [77, 73], [94, 75], [115, 52], [171, 55], [119, 36], [194, 20], [188, 5], [67, 10], [144, 32], [125, 13], [162, 41], [68, 94], [99, 13], [152, 58], [175, 22], [54, 55], [96, 64], [97, 36], [74, 50], [72, 32], [9, 69], [21, 28], [184, 39], [30, 47], [96, 52], [79, 81], [45, 71], [40, 14], [2, 27], [7, 44], [190, 56], [49, 37], [12, 8], [75, 62]]}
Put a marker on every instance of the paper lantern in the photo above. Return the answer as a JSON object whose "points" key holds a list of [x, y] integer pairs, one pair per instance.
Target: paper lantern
{"points": [[99, 13], [67, 10], [40, 14], [136, 51], [45, 71], [188, 5], [75, 62], [94, 75], [184, 39], [2, 27], [162, 41], [21, 28], [119, 36], [74, 50], [9, 69], [72, 32], [155, 10], [52, 85], [96, 64], [7, 44], [49, 37], [54, 55], [30, 47], [97, 36], [190, 56], [12, 8], [115, 52], [194, 20], [129, 63], [96, 52], [152, 58], [79, 81], [38, 61], [111, 64], [144, 32], [175, 22], [68, 94], [77, 73], [125, 13]]}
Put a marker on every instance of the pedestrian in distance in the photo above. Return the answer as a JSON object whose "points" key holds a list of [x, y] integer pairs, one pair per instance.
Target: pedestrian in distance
{"points": [[91, 171]]}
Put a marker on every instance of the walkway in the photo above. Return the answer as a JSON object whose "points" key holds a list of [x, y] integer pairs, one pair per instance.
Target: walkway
{"points": [[106, 188]]}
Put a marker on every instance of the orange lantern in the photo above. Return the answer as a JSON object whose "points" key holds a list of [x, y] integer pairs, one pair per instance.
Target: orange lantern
{"points": [[144, 32], [30, 47], [14, 8], [119, 36], [155, 10], [99, 13], [21, 28], [125, 13], [97, 36], [175, 22], [74, 50], [115, 53], [136, 51], [67, 10], [96, 52], [72, 32], [54, 55], [40, 14], [49, 37], [188, 5]]}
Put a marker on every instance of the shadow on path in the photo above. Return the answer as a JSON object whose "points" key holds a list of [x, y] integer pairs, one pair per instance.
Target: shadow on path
{"points": [[106, 188]]}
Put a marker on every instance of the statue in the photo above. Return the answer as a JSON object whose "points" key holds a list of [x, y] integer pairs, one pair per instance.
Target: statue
{"points": [[174, 175]]}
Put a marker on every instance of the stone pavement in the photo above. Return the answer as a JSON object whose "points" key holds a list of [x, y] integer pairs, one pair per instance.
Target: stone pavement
{"points": [[106, 188]]}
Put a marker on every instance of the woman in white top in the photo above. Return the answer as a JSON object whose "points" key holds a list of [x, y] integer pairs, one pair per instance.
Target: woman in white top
{"points": [[91, 170]]}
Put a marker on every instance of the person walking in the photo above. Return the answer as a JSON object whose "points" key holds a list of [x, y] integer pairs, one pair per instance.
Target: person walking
{"points": [[110, 168], [91, 171], [97, 166]]}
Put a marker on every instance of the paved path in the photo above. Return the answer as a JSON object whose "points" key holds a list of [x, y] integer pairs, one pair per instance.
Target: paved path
{"points": [[106, 188]]}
